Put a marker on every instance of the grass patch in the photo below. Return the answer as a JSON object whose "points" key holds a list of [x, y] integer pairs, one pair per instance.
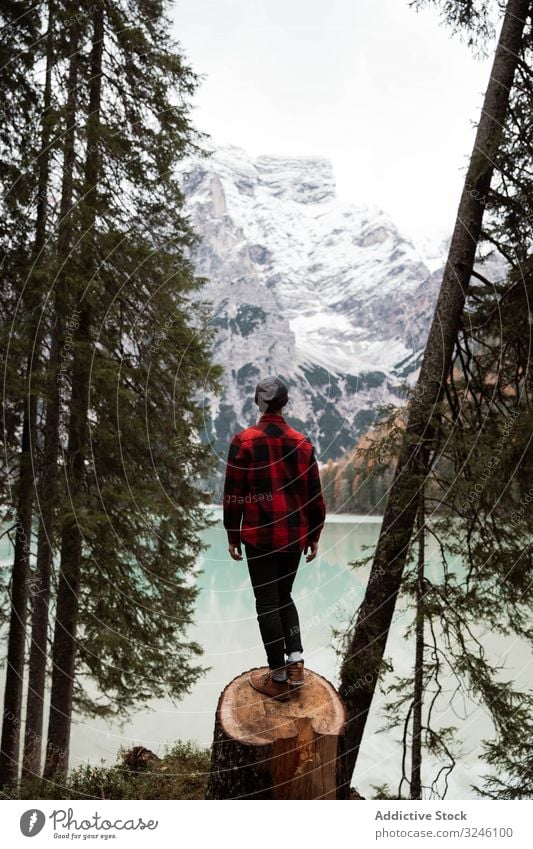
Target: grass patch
{"points": [[181, 773]]}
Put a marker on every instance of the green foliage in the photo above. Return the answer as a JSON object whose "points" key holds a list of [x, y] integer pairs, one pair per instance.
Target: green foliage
{"points": [[180, 774], [141, 510], [477, 489], [511, 759], [120, 255], [472, 20], [383, 791]]}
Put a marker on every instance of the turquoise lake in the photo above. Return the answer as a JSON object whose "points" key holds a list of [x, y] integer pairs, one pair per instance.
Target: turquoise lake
{"points": [[326, 591]]}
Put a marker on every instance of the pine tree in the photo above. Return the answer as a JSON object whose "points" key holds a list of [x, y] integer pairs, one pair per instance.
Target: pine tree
{"points": [[64, 647], [52, 136], [365, 650], [138, 509], [24, 169], [477, 493], [123, 366]]}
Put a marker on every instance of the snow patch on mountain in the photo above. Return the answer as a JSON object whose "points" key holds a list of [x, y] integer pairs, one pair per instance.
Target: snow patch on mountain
{"points": [[327, 294]]}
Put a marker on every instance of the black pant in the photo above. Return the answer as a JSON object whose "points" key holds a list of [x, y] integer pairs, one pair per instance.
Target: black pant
{"points": [[272, 574]]}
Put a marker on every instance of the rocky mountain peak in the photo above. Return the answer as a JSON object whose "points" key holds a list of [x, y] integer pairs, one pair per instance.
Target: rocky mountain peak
{"points": [[329, 295]]}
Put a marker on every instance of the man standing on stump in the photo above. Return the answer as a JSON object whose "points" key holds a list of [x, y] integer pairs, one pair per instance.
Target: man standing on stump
{"points": [[273, 487]]}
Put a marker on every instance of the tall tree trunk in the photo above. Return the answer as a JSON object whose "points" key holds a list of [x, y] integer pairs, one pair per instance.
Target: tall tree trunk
{"points": [[64, 647], [418, 694], [10, 746], [9, 754], [363, 659], [31, 763]]}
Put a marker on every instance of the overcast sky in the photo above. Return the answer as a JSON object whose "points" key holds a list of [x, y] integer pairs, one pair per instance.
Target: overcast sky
{"points": [[385, 92]]}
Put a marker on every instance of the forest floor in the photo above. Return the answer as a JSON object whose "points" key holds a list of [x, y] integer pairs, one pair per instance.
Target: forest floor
{"points": [[181, 773]]}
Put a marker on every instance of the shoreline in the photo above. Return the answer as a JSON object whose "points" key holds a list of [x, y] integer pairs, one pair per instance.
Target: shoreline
{"points": [[331, 518]]}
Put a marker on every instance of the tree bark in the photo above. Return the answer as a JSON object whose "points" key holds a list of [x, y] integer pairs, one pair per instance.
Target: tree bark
{"points": [[363, 661], [9, 754], [267, 749], [10, 746], [31, 759], [64, 646], [418, 694]]}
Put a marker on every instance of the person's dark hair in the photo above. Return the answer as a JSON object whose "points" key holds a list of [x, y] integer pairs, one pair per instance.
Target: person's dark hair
{"points": [[277, 406]]}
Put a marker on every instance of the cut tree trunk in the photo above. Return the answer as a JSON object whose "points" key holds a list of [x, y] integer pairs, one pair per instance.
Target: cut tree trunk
{"points": [[264, 748]]}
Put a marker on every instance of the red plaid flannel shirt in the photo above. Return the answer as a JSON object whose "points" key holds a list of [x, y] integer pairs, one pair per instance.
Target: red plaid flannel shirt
{"points": [[272, 484]]}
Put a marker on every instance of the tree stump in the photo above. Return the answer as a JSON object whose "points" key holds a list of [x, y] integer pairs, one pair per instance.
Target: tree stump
{"points": [[264, 748]]}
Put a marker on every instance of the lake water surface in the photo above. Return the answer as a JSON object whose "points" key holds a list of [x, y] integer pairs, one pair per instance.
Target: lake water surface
{"points": [[326, 591]]}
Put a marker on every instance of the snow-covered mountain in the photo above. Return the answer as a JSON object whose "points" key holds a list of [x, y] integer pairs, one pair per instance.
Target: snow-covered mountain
{"points": [[328, 295]]}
